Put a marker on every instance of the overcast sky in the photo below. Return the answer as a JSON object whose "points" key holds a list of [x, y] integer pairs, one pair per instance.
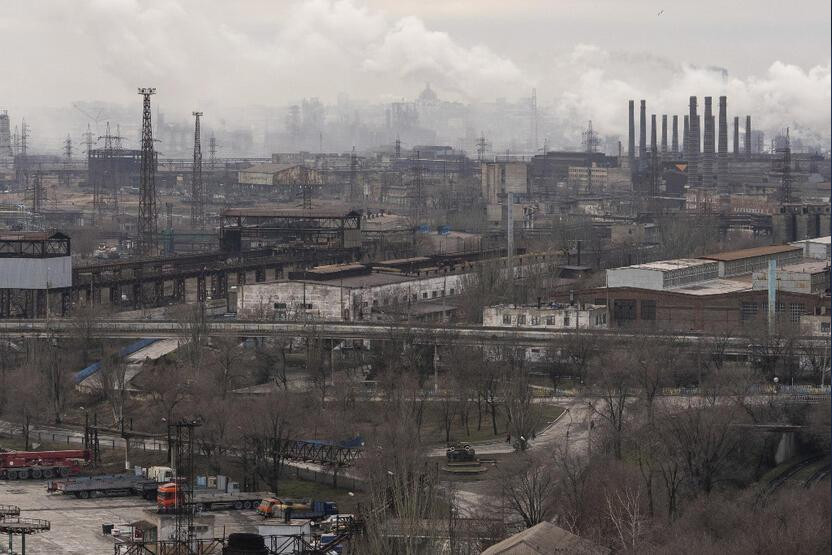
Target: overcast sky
{"points": [[586, 57]]}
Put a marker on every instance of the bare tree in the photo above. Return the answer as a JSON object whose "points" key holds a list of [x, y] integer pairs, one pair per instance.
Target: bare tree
{"points": [[527, 488], [112, 376], [522, 412], [612, 389]]}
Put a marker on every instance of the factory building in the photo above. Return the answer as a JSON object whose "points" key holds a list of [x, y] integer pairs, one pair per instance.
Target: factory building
{"points": [[584, 179], [269, 174], [746, 261], [416, 288], [816, 248], [806, 277], [720, 293], [501, 178], [549, 316]]}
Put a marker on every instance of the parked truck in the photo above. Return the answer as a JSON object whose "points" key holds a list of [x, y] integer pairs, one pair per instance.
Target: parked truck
{"points": [[227, 495], [84, 487], [21, 465], [287, 509]]}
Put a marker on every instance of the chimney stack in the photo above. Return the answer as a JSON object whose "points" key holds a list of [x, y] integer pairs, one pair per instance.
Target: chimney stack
{"points": [[736, 136], [653, 149], [693, 145], [642, 131], [686, 138], [722, 150], [708, 150], [748, 136], [674, 142], [664, 136], [631, 146]]}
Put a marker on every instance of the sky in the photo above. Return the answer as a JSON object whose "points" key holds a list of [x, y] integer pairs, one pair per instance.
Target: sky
{"points": [[586, 58]]}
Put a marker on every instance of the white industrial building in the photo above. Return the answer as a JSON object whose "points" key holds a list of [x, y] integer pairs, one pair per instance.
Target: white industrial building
{"points": [[819, 247], [806, 277], [664, 274], [348, 293], [547, 316]]}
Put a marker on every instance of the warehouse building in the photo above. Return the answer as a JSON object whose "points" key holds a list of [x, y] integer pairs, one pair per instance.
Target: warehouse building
{"points": [[818, 247], [746, 261], [806, 277]]}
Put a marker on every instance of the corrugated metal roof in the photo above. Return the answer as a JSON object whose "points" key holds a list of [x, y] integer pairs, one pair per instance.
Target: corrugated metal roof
{"points": [[750, 253]]}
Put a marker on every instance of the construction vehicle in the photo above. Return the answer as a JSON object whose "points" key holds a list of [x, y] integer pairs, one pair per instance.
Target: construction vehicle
{"points": [[461, 452], [170, 497], [105, 486], [20, 465], [288, 509]]}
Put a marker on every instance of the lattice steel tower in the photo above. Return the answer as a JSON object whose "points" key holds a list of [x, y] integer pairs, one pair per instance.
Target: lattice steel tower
{"points": [[197, 186], [147, 223]]}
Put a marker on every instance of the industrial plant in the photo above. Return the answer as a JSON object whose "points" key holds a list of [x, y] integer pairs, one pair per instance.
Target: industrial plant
{"points": [[432, 321]]}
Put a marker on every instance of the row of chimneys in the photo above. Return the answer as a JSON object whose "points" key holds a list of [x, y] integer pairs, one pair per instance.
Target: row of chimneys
{"points": [[691, 149]]}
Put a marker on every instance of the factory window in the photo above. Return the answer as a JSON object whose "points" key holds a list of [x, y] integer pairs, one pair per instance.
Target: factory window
{"points": [[415, 296], [623, 309], [825, 327], [648, 310], [452, 291], [566, 320], [748, 311], [535, 320], [424, 294], [506, 318], [278, 306], [375, 303], [599, 301], [434, 294], [796, 310], [521, 319], [550, 320]]}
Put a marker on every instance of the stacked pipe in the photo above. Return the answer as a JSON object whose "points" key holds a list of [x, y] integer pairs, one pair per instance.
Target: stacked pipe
{"points": [[708, 150], [674, 145], [722, 147], [693, 144]]}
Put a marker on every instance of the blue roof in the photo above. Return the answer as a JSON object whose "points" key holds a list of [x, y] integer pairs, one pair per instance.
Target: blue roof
{"points": [[124, 352]]}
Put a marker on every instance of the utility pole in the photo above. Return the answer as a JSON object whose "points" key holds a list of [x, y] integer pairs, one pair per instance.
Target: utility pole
{"points": [[197, 187], [482, 146], [212, 152], [147, 221]]}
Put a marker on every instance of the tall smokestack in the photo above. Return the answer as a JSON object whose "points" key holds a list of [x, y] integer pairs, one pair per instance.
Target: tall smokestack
{"points": [[693, 144], [722, 147], [736, 136], [708, 151], [674, 141], [664, 136], [653, 148], [631, 146], [642, 131], [686, 138], [748, 136]]}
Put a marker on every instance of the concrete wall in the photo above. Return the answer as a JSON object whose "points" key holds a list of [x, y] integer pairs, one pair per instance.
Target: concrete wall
{"points": [[567, 317], [35, 273]]}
